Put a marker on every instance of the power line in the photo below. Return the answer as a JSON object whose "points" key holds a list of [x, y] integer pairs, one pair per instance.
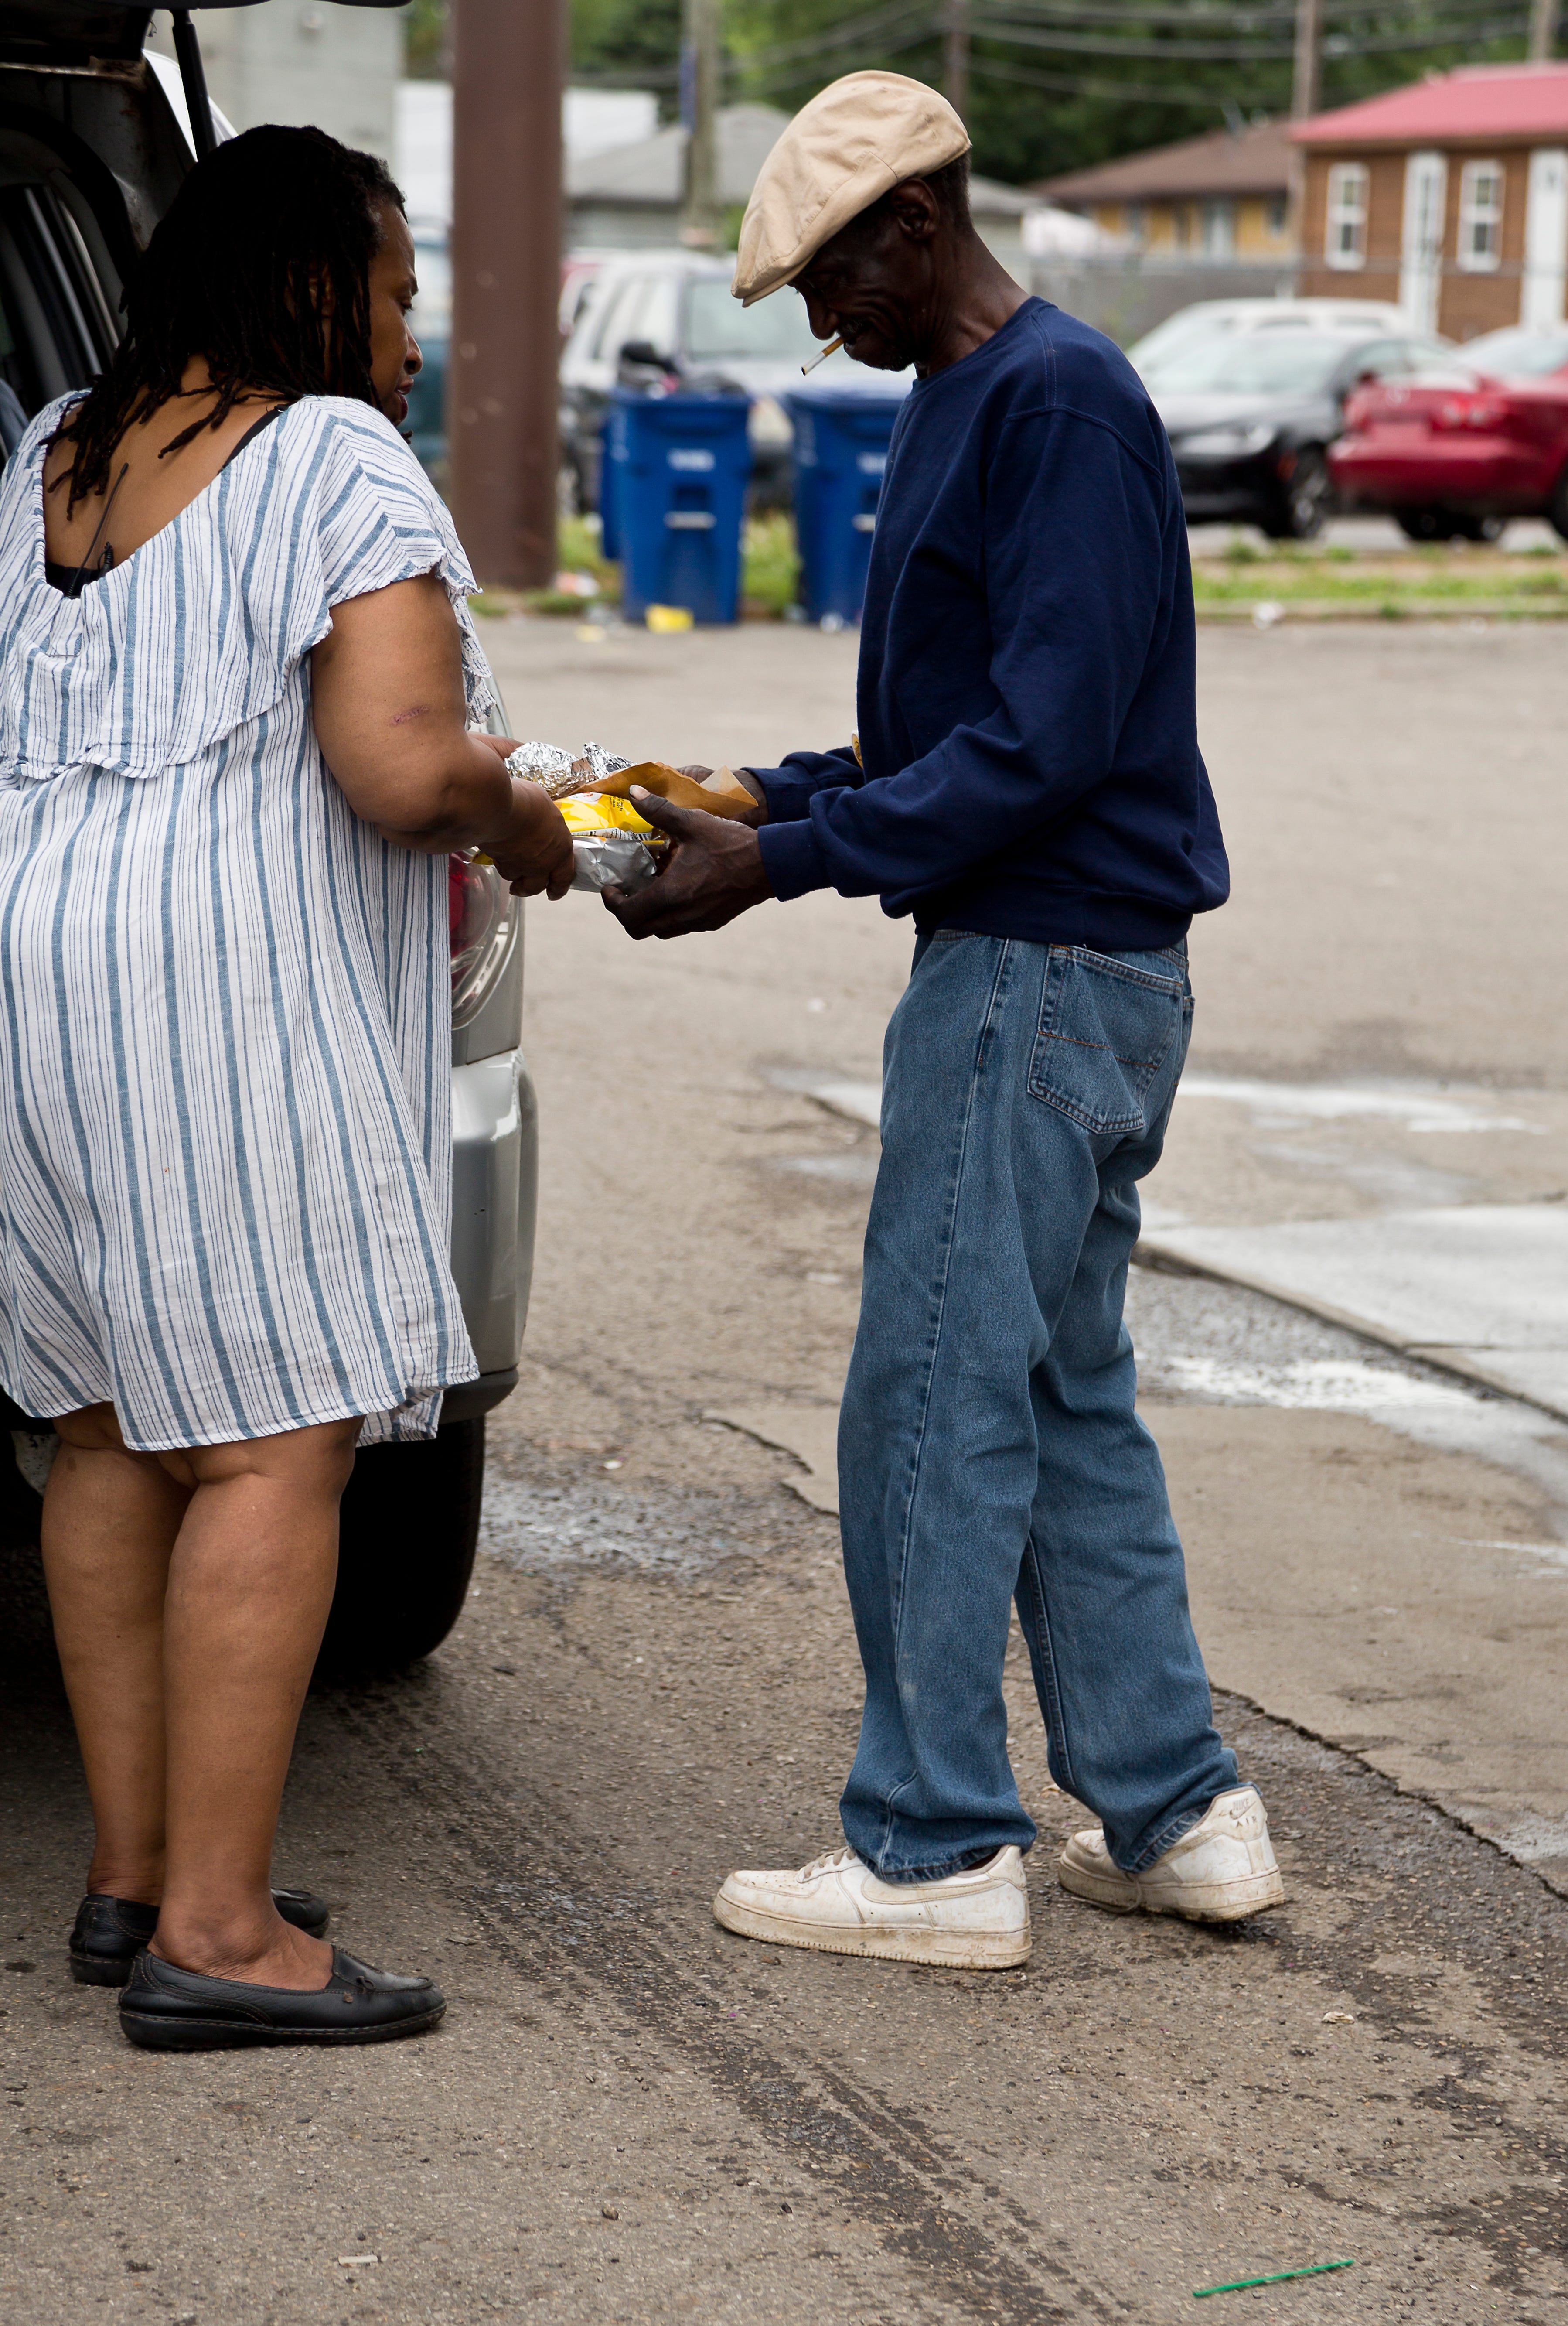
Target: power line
{"points": [[1187, 51], [1117, 92], [1201, 17], [1049, 26]]}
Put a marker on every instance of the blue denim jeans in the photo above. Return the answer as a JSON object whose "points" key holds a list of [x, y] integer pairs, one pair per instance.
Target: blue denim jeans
{"points": [[988, 1449]]}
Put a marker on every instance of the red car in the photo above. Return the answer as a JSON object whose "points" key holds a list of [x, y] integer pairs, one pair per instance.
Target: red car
{"points": [[1455, 453]]}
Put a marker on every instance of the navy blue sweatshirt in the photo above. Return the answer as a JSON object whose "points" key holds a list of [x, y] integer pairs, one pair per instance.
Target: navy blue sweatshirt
{"points": [[1028, 723]]}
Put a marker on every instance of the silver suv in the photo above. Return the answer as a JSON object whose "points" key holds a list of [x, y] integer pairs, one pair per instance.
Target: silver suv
{"points": [[93, 145], [666, 317]]}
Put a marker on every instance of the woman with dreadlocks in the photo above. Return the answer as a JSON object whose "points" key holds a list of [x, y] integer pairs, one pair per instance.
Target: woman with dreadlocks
{"points": [[237, 678]]}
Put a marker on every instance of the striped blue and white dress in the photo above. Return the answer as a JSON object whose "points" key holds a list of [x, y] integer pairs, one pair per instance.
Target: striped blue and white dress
{"points": [[224, 1032]]}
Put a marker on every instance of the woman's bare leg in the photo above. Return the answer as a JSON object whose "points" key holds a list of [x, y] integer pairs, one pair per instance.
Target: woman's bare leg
{"points": [[250, 1585], [190, 1592], [109, 1522]]}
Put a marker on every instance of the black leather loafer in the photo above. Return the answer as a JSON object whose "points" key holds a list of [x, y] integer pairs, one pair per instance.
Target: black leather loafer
{"points": [[166, 2009], [109, 1933]]}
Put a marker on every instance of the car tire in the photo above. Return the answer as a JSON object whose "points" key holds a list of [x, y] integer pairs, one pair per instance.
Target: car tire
{"points": [[1447, 525], [409, 1528], [1309, 497], [1557, 506]]}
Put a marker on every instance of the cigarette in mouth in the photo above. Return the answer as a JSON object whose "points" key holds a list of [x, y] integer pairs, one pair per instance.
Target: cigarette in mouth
{"points": [[830, 349]]}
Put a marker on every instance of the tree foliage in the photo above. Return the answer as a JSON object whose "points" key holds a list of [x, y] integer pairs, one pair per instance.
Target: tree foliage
{"points": [[1056, 85]]}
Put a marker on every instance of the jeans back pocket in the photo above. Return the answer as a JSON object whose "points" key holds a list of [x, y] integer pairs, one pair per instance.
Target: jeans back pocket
{"points": [[1106, 1027]]}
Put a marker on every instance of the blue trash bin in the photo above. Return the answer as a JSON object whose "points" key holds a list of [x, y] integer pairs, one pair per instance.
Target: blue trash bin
{"points": [[675, 495], [609, 532], [841, 452]]}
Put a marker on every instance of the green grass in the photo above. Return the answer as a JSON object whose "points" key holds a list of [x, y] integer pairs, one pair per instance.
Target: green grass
{"points": [[773, 564], [769, 575], [1431, 581]]}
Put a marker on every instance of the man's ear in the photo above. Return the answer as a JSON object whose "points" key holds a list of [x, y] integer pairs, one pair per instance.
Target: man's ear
{"points": [[913, 209]]}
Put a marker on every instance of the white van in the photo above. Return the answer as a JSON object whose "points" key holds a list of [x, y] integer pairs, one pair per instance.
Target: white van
{"points": [[1217, 316]]}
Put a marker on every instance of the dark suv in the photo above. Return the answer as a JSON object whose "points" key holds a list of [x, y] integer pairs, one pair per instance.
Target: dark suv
{"points": [[94, 139]]}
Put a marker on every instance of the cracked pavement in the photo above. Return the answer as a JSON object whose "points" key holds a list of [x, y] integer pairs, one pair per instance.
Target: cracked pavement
{"points": [[631, 2115]]}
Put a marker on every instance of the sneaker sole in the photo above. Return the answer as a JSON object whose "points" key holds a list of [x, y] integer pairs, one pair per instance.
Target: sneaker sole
{"points": [[154, 2033], [1233, 1903], [944, 1950]]}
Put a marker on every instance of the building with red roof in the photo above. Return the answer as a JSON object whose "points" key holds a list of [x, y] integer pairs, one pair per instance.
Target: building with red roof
{"points": [[1450, 196]]}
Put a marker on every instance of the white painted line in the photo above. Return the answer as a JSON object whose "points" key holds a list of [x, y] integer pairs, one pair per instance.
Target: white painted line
{"points": [[858, 1102], [1418, 1107]]}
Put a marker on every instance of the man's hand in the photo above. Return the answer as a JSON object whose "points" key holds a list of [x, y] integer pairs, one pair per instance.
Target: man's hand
{"points": [[714, 872]]}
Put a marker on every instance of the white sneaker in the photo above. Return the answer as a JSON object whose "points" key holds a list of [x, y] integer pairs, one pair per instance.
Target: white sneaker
{"points": [[978, 1920], [1220, 1871]]}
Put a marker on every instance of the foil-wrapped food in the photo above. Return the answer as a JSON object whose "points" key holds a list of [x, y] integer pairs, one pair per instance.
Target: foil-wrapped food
{"points": [[557, 773], [614, 847]]}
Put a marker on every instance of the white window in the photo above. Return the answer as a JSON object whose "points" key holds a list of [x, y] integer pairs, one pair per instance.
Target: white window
{"points": [[1480, 217], [1345, 236], [1220, 229]]}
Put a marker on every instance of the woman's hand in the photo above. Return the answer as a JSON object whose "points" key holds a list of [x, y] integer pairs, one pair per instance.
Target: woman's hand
{"points": [[533, 852]]}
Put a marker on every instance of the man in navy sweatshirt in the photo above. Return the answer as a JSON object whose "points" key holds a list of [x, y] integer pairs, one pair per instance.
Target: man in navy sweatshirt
{"points": [[1027, 786]]}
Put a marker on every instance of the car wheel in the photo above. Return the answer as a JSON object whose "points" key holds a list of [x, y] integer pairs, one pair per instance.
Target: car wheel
{"points": [[1309, 497], [409, 1527], [1557, 506], [1447, 525]]}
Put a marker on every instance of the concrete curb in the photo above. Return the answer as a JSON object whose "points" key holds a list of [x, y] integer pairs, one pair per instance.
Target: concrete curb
{"points": [[1151, 1253]]}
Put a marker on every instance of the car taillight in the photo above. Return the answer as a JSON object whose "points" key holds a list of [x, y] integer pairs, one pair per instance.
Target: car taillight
{"points": [[482, 914], [1469, 411]]}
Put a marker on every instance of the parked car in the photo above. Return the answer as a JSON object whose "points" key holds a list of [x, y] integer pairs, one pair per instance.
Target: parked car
{"points": [[577, 270], [431, 322], [1236, 317], [92, 150], [1457, 451], [666, 319], [1250, 418]]}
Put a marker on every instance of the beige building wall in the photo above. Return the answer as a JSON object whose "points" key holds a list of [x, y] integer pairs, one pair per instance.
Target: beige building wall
{"points": [[1260, 228], [301, 62]]}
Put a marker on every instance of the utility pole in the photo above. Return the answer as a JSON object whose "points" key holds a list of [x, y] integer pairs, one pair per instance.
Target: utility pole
{"points": [[956, 55], [1306, 81], [1542, 31], [509, 70], [700, 68]]}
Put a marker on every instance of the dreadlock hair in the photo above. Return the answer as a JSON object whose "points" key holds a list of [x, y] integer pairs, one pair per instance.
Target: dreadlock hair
{"points": [[261, 265]]}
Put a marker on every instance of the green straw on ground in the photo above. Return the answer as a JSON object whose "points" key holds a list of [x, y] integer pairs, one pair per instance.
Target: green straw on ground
{"points": [[1239, 2284]]}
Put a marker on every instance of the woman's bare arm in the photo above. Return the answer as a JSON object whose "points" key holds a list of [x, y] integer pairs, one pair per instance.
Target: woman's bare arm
{"points": [[387, 697]]}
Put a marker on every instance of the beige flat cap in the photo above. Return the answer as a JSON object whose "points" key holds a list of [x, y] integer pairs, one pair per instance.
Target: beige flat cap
{"points": [[841, 152]]}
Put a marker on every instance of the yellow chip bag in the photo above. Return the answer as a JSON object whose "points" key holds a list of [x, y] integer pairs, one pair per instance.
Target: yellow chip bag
{"points": [[585, 812], [613, 844]]}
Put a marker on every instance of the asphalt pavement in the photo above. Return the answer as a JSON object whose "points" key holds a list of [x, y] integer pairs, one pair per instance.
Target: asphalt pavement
{"points": [[631, 2115]]}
